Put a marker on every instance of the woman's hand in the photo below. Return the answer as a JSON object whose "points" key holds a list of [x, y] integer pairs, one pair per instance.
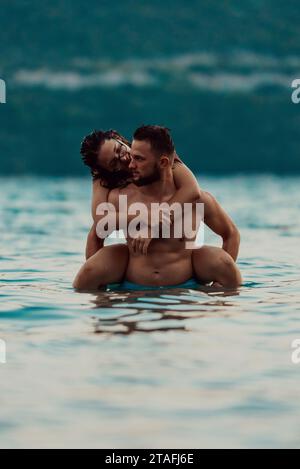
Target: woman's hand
{"points": [[162, 220]]}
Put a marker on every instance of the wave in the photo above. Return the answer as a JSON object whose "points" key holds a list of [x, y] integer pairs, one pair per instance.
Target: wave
{"points": [[71, 80], [242, 71]]}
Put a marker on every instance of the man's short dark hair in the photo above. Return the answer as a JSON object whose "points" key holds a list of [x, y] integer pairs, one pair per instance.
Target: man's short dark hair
{"points": [[89, 150], [159, 138]]}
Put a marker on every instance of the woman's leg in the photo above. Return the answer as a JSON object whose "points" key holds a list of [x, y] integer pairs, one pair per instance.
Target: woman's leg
{"points": [[213, 264], [108, 265]]}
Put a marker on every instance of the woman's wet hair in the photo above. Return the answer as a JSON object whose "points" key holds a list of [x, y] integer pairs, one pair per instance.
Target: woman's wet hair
{"points": [[89, 150]]}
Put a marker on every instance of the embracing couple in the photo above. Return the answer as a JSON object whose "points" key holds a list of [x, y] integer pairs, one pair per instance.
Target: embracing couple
{"points": [[148, 171]]}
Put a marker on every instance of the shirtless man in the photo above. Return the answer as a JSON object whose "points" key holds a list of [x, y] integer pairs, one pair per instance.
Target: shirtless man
{"points": [[167, 261]]}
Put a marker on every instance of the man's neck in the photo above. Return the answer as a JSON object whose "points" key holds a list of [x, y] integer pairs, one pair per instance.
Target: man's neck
{"points": [[161, 188]]}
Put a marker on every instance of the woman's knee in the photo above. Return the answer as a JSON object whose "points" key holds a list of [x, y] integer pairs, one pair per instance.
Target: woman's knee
{"points": [[206, 254], [214, 264], [229, 273], [81, 280]]}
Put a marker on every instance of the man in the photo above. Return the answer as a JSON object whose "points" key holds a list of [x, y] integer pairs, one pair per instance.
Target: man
{"points": [[167, 261]]}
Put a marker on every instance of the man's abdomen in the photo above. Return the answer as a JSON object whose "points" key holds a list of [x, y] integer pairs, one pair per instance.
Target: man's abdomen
{"points": [[160, 268]]}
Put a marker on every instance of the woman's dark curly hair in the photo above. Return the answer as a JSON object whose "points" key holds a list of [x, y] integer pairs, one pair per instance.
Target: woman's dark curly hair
{"points": [[89, 150]]}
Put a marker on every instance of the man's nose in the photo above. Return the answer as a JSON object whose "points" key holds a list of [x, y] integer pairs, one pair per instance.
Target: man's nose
{"points": [[132, 164]]}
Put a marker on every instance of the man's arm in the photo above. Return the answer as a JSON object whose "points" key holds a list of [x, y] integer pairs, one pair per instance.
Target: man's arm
{"points": [[218, 221]]}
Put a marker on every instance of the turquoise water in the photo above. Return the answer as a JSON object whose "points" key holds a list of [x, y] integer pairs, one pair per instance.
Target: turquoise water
{"points": [[178, 368], [217, 71]]}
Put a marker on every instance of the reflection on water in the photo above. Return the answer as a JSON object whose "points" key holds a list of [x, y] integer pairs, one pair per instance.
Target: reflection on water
{"points": [[166, 368], [144, 312]]}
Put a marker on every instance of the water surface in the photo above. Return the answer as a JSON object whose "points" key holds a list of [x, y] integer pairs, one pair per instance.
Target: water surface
{"points": [[170, 368]]}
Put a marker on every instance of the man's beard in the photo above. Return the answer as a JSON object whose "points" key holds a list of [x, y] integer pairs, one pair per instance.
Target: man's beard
{"points": [[145, 181]]}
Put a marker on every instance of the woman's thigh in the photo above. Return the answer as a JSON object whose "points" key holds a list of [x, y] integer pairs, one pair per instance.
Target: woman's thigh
{"points": [[212, 264], [108, 265]]}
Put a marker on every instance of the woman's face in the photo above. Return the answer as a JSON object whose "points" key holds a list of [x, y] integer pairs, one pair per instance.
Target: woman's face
{"points": [[114, 155]]}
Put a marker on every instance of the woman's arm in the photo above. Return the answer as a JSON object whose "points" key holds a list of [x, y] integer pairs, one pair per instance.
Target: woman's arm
{"points": [[99, 195], [187, 191], [93, 243], [186, 184]]}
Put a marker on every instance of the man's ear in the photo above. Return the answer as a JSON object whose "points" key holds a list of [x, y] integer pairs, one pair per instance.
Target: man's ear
{"points": [[164, 161]]}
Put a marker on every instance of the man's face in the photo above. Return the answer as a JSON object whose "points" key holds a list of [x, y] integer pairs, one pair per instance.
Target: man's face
{"points": [[144, 164], [114, 155]]}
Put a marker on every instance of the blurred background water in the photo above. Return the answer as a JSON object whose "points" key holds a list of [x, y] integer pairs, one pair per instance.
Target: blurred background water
{"points": [[217, 73], [170, 368]]}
